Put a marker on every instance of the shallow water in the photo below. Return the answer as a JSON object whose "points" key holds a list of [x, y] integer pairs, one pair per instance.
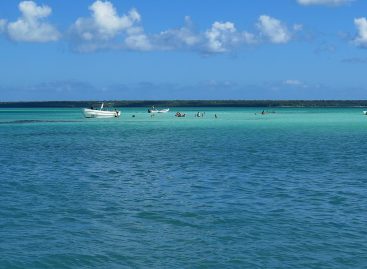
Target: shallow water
{"points": [[282, 190]]}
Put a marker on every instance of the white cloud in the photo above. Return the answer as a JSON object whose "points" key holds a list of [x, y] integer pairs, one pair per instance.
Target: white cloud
{"points": [[297, 27], [273, 29], [292, 82], [361, 39], [250, 38], [180, 38], [30, 27], [104, 23], [106, 29], [324, 2], [223, 36], [137, 39]]}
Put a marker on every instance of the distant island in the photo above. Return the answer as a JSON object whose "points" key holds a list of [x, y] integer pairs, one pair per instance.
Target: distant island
{"points": [[189, 103]]}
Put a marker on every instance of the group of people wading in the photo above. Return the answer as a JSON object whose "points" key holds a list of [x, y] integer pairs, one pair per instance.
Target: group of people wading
{"points": [[197, 115]]}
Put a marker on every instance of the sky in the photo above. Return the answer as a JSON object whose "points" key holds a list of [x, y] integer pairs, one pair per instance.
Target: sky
{"points": [[183, 49]]}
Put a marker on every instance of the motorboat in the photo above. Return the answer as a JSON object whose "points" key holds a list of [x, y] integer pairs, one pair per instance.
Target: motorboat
{"points": [[153, 110], [100, 113], [95, 113]]}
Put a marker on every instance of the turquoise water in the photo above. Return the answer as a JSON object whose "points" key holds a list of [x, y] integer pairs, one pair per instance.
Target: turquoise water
{"points": [[282, 190]]}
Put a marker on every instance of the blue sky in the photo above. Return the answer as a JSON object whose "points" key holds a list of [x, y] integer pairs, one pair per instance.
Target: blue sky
{"points": [[183, 49]]}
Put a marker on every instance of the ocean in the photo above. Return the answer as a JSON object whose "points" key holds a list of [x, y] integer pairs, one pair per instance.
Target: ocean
{"points": [[282, 190]]}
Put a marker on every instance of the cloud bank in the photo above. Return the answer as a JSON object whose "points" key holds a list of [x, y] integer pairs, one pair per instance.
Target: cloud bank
{"points": [[105, 28]]}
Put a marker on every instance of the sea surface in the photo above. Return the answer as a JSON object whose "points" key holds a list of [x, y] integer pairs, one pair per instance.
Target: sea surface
{"points": [[244, 190]]}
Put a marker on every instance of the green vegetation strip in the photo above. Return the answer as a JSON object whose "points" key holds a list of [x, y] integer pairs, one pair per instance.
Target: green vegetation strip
{"points": [[189, 103]]}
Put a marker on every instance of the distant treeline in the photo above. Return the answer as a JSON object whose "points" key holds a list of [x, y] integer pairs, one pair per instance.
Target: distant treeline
{"points": [[190, 103]]}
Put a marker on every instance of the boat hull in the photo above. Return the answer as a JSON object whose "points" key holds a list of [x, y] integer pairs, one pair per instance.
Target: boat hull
{"points": [[94, 113], [158, 111]]}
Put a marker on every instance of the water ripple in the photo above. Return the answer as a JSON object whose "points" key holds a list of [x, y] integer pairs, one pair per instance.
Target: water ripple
{"points": [[274, 193]]}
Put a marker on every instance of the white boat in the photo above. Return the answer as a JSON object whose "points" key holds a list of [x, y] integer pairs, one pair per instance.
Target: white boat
{"points": [[100, 113], [365, 112], [158, 110]]}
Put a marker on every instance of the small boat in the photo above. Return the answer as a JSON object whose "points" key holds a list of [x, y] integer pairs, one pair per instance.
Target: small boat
{"points": [[153, 110], [100, 113], [365, 112], [180, 115]]}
